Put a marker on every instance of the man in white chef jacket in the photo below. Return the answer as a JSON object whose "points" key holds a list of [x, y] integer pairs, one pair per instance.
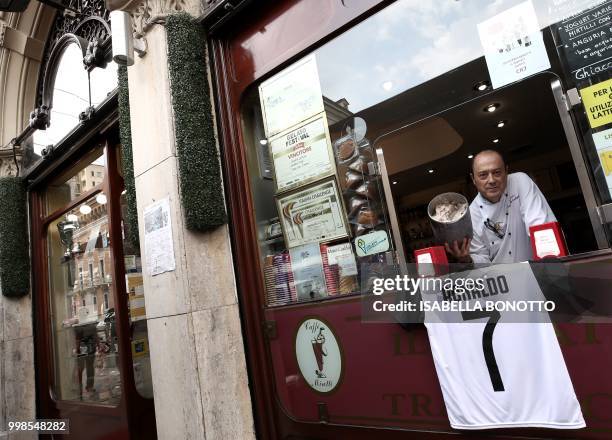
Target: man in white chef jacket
{"points": [[518, 395], [502, 212]]}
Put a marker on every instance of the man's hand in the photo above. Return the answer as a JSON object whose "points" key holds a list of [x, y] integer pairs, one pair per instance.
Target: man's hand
{"points": [[460, 250]]}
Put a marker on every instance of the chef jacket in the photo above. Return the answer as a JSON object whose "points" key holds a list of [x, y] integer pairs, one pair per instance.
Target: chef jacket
{"points": [[501, 229]]}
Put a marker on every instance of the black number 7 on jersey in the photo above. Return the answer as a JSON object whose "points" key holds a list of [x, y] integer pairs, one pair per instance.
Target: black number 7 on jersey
{"points": [[487, 344]]}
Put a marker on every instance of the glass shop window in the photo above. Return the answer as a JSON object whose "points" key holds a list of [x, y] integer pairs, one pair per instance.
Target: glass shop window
{"points": [[84, 339], [320, 207], [83, 306], [408, 96], [66, 188]]}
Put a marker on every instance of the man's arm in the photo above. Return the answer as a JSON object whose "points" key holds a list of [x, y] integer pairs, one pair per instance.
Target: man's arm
{"points": [[473, 250], [534, 207]]}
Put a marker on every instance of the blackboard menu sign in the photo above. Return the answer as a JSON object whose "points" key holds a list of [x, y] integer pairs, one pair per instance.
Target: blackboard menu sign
{"points": [[586, 41]]}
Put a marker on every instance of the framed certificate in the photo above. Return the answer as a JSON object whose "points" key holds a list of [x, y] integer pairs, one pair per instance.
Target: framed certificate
{"points": [[302, 154], [291, 96], [312, 214]]}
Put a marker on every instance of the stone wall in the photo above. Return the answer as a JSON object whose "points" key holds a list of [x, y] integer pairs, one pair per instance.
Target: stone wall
{"points": [[17, 388], [198, 363]]}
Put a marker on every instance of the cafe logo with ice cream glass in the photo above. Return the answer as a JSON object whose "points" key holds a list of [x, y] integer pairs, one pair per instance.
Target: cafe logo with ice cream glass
{"points": [[318, 355]]}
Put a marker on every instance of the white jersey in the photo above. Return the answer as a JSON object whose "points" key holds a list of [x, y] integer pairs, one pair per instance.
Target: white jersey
{"points": [[498, 373]]}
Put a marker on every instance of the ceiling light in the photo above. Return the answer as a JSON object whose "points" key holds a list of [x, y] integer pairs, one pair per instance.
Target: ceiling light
{"points": [[500, 124], [491, 108], [101, 199], [430, 171], [387, 85], [481, 86], [470, 156], [85, 209], [263, 141], [72, 218], [395, 182], [495, 141]]}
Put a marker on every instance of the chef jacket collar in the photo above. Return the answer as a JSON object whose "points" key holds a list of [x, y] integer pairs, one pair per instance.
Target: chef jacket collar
{"points": [[483, 201]]}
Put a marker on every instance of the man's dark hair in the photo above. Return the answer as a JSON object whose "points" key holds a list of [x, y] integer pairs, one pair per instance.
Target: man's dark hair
{"points": [[486, 151]]}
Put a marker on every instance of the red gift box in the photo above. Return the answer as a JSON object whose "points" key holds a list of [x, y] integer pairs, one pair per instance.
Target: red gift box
{"points": [[547, 240], [433, 261]]}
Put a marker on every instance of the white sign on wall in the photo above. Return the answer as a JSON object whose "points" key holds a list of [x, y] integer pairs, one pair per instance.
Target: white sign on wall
{"points": [[159, 248]]}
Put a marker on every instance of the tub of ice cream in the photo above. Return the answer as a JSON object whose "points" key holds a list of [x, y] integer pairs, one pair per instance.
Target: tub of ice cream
{"points": [[449, 215]]}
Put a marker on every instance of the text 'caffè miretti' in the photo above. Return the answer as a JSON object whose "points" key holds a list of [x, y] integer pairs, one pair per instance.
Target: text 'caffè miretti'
{"points": [[357, 151]]}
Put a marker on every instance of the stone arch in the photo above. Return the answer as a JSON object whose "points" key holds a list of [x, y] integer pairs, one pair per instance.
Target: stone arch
{"points": [[22, 42], [28, 44]]}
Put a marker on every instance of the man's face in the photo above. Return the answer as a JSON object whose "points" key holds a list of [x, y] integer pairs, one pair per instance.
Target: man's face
{"points": [[490, 176]]}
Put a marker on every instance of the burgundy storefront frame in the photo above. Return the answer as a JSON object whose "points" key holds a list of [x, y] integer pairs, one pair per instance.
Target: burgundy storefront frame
{"points": [[134, 416], [239, 59], [232, 78]]}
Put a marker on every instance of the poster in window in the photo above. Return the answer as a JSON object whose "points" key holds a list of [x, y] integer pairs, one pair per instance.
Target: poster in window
{"points": [[291, 96], [603, 144], [343, 256], [513, 45], [597, 101], [308, 272], [312, 215], [302, 155]]}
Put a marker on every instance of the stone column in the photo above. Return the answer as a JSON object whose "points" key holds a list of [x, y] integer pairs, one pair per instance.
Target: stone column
{"points": [[197, 352], [17, 388], [21, 47]]}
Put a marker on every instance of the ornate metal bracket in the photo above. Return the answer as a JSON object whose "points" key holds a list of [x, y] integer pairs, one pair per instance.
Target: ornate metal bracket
{"points": [[47, 152], [95, 55], [39, 118], [86, 115]]}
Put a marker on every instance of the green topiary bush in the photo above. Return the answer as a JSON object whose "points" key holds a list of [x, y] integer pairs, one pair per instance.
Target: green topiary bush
{"points": [[14, 247], [125, 133], [199, 167]]}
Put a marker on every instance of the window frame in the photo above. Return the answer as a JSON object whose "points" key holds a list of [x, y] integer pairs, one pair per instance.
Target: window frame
{"points": [[112, 185]]}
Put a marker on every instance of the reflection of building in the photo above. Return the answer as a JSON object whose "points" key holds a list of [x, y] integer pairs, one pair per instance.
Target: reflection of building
{"points": [[88, 178], [91, 265], [336, 110]]}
